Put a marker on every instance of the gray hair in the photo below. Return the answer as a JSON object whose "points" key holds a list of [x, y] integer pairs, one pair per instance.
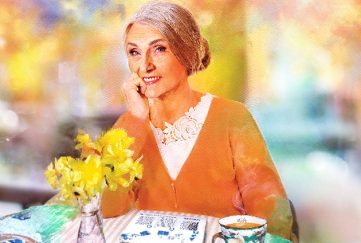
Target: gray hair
{"points": [[180, 29]]}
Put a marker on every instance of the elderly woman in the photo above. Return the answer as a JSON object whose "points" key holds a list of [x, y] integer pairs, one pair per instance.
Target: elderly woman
{"points": [[201, 154]]}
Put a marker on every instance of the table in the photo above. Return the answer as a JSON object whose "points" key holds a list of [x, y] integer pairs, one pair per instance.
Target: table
{"points": [[113, 226], [56, 223]]}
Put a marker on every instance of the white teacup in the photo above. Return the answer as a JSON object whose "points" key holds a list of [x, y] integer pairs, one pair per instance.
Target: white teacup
{"points": [[244, 228]]}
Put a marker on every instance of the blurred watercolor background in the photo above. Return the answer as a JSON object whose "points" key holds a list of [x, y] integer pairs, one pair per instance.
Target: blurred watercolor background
{"points": [[296, 64]]}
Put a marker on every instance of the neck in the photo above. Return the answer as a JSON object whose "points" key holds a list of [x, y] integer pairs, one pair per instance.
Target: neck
{"points": [[172, 105]]}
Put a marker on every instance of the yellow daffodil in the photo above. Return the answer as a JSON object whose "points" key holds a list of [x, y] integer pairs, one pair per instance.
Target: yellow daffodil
{"points": [[52, 176], [82, 139], [106, 162]]}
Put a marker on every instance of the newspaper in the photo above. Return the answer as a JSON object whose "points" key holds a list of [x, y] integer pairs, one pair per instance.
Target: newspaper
{"points": [[152, 226]]}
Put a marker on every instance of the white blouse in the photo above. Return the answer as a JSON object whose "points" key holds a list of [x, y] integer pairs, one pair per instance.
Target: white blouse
{"points": [[176, 141]]}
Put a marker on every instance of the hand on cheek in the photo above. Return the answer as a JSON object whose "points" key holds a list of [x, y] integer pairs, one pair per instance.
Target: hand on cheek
{"points": [[133, 92]]}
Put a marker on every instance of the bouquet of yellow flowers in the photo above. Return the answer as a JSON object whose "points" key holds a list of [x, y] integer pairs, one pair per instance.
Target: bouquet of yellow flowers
{"points": [[106, 162]]}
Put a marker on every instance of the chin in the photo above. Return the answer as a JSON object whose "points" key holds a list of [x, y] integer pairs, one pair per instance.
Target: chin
{"points": [[151, 94]]}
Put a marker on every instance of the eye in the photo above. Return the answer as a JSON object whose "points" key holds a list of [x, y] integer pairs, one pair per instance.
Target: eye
{"points": [[160, 49], [133, 52]]}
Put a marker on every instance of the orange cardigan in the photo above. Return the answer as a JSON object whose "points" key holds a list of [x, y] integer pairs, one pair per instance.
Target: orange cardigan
{"points": [[229, 157]]}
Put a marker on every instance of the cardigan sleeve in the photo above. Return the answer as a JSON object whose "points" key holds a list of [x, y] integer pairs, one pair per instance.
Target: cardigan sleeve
{"points": [[115, 203], [259, 184], [135, 128]]}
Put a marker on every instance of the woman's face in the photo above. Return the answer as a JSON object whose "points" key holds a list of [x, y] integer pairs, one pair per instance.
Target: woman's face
{"points": [[150, 57]]}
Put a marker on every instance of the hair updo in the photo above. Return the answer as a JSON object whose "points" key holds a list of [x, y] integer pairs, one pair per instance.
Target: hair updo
{"points": [[180, 29]]}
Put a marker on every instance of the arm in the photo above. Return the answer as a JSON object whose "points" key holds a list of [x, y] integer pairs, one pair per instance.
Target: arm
{"points": [[135, 122], [115, 203], [260, 186]]}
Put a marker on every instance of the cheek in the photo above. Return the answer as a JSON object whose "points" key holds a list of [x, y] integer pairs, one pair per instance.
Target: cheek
{"points": [[178, 67], [169, 63], [132, 65]]}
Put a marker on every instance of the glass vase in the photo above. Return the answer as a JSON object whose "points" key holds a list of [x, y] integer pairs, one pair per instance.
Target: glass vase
{"points": [[91, 222]]}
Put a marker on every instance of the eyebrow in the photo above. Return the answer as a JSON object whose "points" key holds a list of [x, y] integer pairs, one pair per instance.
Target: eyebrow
{"points": [[150, 43]]}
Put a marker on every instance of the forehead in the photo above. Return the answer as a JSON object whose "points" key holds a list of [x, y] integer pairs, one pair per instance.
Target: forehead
{"points": [[142, 34]]}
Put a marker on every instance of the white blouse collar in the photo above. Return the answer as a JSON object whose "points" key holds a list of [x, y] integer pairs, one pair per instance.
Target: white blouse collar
{"points": [[187, 126]]}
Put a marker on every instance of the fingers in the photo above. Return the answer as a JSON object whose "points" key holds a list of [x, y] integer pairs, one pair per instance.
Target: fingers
{"points": [[143, 87], [133, 92], [135, 83]]}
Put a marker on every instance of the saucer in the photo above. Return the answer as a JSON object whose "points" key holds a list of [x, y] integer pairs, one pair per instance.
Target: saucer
{"points": [[7, 238]]}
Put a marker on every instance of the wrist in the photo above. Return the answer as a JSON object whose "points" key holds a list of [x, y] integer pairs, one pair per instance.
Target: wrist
{"points": [[142, 116]]}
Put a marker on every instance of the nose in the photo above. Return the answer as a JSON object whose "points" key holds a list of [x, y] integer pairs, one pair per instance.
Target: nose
{"points": [[147, 64]]}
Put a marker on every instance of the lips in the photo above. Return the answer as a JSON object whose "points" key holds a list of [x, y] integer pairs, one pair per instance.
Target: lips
{"points": [[151, 80]]}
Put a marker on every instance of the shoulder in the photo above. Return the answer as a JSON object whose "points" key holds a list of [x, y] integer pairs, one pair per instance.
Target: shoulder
{"points": [[124, 119], [233, 110], [227, 103]]}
